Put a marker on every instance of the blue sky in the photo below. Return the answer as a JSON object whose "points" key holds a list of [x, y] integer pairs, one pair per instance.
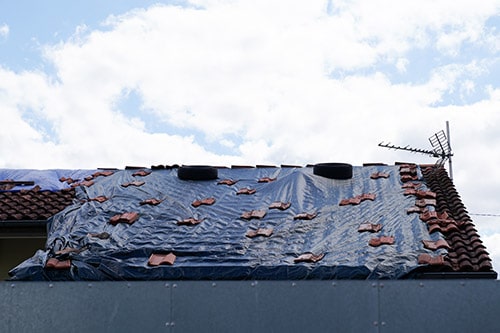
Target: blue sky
{"points": [[86, 84]]}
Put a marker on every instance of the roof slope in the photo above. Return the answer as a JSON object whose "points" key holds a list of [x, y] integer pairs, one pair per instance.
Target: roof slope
{"points": [[257, 223]]}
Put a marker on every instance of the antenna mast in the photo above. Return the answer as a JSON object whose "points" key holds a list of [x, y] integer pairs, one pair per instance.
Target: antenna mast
{"points": [[440, 143]]}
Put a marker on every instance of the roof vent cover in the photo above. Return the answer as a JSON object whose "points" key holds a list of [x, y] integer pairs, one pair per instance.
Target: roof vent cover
{"points": [[333, 170], [197, 172]]}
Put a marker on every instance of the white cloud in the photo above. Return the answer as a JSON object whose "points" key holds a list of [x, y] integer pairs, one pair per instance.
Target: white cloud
{"points": [[262, 72], [4, 30]]}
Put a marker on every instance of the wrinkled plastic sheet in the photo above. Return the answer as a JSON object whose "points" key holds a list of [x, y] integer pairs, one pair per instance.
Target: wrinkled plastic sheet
{"points": [[217, 248], [48, 180]]}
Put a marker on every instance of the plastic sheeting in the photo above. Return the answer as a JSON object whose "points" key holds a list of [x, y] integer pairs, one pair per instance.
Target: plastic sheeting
{"points": [[46, 179], [217, 248]]}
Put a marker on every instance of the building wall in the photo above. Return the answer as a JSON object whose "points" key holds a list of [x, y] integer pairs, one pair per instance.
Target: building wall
{"points": [[14, 251], [251, 306]]}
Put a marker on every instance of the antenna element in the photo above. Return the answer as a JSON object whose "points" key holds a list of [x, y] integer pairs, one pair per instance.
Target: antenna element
{"points": [[440, 143]]}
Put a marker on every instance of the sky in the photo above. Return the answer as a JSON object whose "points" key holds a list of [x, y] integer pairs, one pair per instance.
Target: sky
{"points": [[87, 84]]}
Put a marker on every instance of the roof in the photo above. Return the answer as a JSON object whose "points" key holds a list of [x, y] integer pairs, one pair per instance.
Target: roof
{"points": [[28, 198], [371, 221]]}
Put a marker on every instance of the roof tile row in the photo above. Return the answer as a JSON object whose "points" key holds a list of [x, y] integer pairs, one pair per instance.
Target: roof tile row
{"points": [[466, 251]]}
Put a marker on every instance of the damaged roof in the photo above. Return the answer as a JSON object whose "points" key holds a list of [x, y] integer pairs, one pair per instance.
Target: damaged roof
{"points": [[328, 221]]}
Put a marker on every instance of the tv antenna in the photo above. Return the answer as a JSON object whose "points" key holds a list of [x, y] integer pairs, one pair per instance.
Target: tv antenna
{"points": [[441, 148]]}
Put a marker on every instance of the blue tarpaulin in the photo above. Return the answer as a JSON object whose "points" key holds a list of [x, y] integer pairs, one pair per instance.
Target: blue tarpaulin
{"points": [[217, 247], [46, 179]]}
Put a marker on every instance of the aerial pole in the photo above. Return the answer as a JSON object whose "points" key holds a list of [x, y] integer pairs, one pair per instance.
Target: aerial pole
{"points": [[450, 167]]}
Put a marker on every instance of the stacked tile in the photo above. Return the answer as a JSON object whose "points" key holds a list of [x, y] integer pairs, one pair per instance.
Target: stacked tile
{"points": [[33, 205], [466, 252]]}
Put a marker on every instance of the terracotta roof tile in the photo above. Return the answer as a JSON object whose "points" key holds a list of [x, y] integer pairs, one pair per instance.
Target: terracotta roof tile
{"points": [[309, 257], [246, 190], [434, 245], [134, 183], [128, 217], [228, 182], [189, 221], [377, 175], [383, 240], [141, 173], [266, 180], [357, 199], [205, 201], [58, 264], [427, 259], [105, 173], [305, 216], [253, 214], [161, 259], [100, 235], [466, 252], [152, 202], [369, 227], [280, 205], [33, 205], [259, 232], [100, 199]]}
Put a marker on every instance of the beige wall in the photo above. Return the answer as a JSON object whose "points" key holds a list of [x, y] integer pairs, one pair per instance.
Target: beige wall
{"points": [[14, 251]]}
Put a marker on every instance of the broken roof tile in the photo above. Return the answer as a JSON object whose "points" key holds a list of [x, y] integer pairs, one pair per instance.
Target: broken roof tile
{"points": [[415, 209], [105, 173], [377, 175], [228, 182], [266, 180], [350, 201], [309, 257], [427, 259], [128, 217], [428, 215], [190, 221], [407, 178], [58, 264], [425, 202], [420, 194], [383, 240], [157, 259], [413, 185], [152, 202], [141, 173], [369, 227], [368, 196], [254, 214], [407, 167], [246, 190], [434, 245], [357, 199], [100, 199], [134, 183], [259, 232], [305, 216], [100, 235], [86, 183], [280, 205], [206, 201]]}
